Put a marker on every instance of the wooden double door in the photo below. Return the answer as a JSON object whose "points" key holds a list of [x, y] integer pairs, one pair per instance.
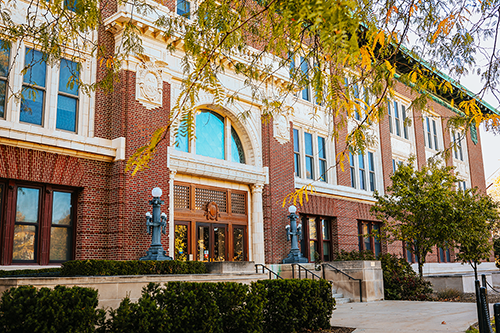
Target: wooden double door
{"points": [[210, 223]]}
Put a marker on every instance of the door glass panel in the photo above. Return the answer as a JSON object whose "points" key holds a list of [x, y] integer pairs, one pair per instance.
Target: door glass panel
{"points": [[24, 242], [313, 234], [326, 251], [181, 242], [203, 243], [313, 248], [60, 243], [61, 208], [376, 240], [238, 244], [27, 205], [219, 243]]}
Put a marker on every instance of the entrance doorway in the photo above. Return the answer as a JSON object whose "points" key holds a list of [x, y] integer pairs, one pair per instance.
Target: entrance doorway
{"points": [[212, 241]]}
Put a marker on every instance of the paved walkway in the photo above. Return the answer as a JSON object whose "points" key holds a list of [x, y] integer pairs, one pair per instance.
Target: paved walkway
{"points": [[405, 316]]}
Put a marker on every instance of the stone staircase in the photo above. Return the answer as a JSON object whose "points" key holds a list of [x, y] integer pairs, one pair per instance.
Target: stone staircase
{"points": [[339, 298]]}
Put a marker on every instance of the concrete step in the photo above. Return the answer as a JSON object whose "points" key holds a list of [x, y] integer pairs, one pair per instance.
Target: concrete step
{"points": [[342, 300], [338, 295]]}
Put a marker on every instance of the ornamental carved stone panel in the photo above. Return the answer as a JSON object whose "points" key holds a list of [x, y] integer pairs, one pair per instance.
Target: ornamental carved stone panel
{"points": [[149, 85], [281, 129], [212, 211]]}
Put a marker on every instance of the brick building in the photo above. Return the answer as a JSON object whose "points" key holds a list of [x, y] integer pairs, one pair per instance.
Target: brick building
{"points": [[65, 194]]}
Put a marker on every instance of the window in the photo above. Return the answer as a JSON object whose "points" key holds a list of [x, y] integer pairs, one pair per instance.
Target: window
{"points": [[67, 99], [43, 219], [430, 133], [444, 255], [184, 8], [358, 168], [317, 238], [296, 152], [304, 67], [410, 257], [367, 237], [397, 119], [211, 136], [457, 142], [462, 185], [322, 159], [33, 92], [4, 73], [308, 143], [395, 164], [314, 156]]}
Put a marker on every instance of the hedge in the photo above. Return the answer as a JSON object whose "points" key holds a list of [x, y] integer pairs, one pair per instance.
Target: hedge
{"points": [[274, 306], [31, 272], [28, 309], [131, 267]]}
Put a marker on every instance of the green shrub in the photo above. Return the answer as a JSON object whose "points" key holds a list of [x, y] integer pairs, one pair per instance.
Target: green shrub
{"points": [[353, 255], [401, 282], [132, 267], [27, 309], [191, 307], [294, 305], [227, 307], [31, 272]]}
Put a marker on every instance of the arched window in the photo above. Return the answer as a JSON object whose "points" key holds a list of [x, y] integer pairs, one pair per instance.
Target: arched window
{"points": [[211, 136]]}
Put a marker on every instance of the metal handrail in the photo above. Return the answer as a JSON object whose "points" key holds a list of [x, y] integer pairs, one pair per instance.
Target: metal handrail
{"points": [[266, 268], [350, 277], [307, 271]]}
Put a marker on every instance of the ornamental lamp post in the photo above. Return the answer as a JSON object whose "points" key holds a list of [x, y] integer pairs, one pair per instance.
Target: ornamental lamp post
{"points": [[156, 224], [295, 234]]}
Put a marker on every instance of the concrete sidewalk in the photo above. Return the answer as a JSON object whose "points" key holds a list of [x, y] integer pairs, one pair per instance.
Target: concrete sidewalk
{"points": [[405, 316]]}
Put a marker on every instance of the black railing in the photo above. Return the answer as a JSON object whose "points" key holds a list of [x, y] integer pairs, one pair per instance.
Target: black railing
{"points": [[345, 274], [264, 268], [308, 271]]}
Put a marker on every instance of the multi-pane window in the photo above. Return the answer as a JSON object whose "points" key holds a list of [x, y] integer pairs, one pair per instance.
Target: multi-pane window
{"points": [[308, 147], [357, 115], [462, 185], [4, 73], [317, 238], [362, 170], [309, 151], [67, 99], [34, 91], [368, 237], [211, 136], [410, 257], [397, 119], [395, 164], [42, 224], [430, 131], [184, 8], [444, 255], [457, 143], [296, 152]]}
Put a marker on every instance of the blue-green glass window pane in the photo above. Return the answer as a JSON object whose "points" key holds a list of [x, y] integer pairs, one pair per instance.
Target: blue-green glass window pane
{"points": [[322, 170], [396, 117], [308, 143], [32, 106], [70, 4], [237, 154], [321, 147], [3, 93], [351, 159], [210, 135], [376, 240], [390, 116], [184, 8], [4, 58], [361, 159], [295, 140], [27, 204], [66, 113], [405, 127], [181, 139], [68, 77], [304, 67], [309, 168], [356, 95], [371, 165], [61, 208], [435, 135], [35, 68], [297, 165]]}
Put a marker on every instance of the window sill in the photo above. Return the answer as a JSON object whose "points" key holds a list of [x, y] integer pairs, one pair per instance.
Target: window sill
{"points": [[61, 142], [336, 190]]}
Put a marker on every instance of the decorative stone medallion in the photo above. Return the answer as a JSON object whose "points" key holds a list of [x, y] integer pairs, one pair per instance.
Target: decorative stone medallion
{"points": [[212, 212], [281, 129], [149, 85]]}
